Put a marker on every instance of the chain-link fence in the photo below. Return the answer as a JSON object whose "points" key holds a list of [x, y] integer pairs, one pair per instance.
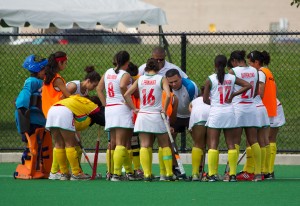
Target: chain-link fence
{"points": [[193, 52]]}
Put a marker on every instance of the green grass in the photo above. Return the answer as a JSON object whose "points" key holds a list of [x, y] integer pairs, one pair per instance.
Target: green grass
{"points": [[285, 65], [282, 191]]}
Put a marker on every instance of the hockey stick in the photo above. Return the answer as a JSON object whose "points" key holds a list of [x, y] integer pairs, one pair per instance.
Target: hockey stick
{"points": [[83, 150], [94, 174], [227, 168], [182, 171], [109, 172]]}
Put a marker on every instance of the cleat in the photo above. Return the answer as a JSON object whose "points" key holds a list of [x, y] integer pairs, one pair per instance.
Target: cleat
{"points": [[258, 178], [147, 179], [195, 177], [162, 178], [108, 176], [65, 177], [139, 174], [245, 176], [54, 176], [115, 178], [213, 178], [171, 178], [130, 177], [269, 176], [232, 178], [226, 177], [80, 176]]}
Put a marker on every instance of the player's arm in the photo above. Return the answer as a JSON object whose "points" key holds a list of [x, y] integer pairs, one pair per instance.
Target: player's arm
{"points": [[244, 87], [58, 82], [100, 91], [128, 93], [173, 116], [206, 99], [166, 88], [71, 87], [124, 82]]}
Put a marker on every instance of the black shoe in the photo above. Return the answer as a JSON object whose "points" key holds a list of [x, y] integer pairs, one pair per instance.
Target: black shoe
{"points": [[212, 178], [232, 178], [147, 179], [269, 176]]}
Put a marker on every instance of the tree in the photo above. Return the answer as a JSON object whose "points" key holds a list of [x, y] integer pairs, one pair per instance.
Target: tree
{"points": [[296, 2]]}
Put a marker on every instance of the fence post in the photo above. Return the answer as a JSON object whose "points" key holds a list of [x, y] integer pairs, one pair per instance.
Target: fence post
{"points": [[183, 52], [183, 67]]}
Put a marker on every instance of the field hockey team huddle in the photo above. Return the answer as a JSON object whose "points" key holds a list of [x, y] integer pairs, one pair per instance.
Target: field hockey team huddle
{"points": [[157, 101]]}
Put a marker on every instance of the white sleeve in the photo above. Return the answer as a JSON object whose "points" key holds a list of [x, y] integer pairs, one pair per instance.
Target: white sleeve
{"points": [[142, 69], [262, 77]]}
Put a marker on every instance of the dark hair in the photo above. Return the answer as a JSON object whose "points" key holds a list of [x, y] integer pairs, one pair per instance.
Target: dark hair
{"points": [[220, 64], [152, 65], [121, 58], [132, 69], [96, 100], [238, 55], [92, 75], [158, 49], [229, 64], [202, 90], [97, 117], [115, 60], [172, 72], [267, 58], [256, 56], [52, 67]]}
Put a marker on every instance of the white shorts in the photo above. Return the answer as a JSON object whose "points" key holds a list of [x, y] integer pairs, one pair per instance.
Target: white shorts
{"points": [[246, 115], [60, 117], [262, 114], [199, 116], [150, 123], [221, 118], [118, 116], [279, 120]]}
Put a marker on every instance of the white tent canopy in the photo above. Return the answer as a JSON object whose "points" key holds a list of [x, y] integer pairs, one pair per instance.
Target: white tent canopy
{"points": [[85, 13]]}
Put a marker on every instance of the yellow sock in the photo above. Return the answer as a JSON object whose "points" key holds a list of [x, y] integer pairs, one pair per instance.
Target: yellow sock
{"points": [[162, 168], [268, 156], [264, 169], [61, 159], [151, 157], [128, 162], [249, 164], [212, 161], [145, 159], [197, 154], [73, 160], [257, 158], [119, 157], [273, 151], [79, 153], [237, 147], [217, 165], [111, 169], [168, 159], [136, 158], [232, 159], [55, 165], [130, 154]]}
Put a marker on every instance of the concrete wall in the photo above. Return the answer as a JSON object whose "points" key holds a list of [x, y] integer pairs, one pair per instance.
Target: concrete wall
{"points": [[227, 15]]}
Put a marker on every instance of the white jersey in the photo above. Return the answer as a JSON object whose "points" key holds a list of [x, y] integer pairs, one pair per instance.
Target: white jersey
{"points": [[220, 93], [150, 90], [186, 93], [249, 74], [78, 91], [163, 70], [112, 87]]}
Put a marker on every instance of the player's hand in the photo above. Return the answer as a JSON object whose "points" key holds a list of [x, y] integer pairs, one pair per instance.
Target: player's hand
{"points": [[136, 110]]}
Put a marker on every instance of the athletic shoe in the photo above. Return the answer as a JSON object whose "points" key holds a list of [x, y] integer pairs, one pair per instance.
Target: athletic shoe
{"points": [[130, 177], [177, 172], [65, 177], [139, 174], [162, 178], [147, 179], [258, 178], [232, 178], [195, 177], [108, 176], [213, 178], [245, 176], [80, 176], [54, 176], [226, 177], [115, 178], [171, 178], [269, 176]]}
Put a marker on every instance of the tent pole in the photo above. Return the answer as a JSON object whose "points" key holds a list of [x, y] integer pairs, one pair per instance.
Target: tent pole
{"points": [[164, 43]]}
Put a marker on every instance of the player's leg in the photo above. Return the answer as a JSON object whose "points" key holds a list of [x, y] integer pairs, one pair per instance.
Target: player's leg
{"points": [[166, 154], [213, 153], [232, 153], [144, 155], [273, 150]]}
